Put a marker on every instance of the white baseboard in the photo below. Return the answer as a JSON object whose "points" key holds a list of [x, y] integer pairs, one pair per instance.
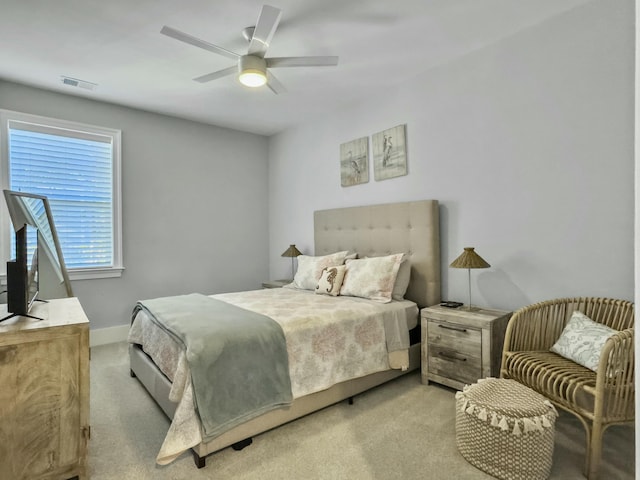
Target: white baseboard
{"points": [[102, 336]]}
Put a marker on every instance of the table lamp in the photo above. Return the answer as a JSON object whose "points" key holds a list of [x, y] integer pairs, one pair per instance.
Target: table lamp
{"points": [[292, 252], [469, 259]]}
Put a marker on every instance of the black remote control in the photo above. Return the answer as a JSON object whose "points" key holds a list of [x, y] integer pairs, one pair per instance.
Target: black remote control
{"points": [[451, 304]]}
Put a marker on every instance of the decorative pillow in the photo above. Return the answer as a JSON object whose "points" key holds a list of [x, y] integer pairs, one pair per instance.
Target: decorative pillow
{"points": [[402, 280], [582, 340], [331, 280], [371, 278], [310, 269]]}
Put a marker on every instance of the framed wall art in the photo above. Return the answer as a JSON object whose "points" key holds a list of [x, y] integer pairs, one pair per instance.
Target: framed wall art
{"points": [[389, 153], [354, 162]]}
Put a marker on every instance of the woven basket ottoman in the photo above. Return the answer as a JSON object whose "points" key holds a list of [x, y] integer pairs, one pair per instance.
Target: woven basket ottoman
{"points": [[505, 429]]}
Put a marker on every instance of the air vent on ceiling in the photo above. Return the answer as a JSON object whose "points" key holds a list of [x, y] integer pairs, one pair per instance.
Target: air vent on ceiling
{"points": [[74, 82]]}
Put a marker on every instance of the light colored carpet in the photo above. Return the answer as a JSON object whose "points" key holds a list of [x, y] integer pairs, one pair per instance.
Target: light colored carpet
{"points": [[401, 430]]}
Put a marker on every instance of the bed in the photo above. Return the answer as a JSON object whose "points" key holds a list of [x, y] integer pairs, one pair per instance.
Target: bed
{"points": [[374, 231]]}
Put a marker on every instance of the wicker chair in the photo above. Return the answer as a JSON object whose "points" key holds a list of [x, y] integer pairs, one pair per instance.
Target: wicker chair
{"points": [[598, 399]]}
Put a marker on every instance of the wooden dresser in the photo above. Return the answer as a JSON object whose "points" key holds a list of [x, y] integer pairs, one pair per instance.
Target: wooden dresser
{"points": [[461, 346], [44, 392]]}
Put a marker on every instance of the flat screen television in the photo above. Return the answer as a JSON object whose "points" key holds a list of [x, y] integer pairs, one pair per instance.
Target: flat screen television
{"points": [[38, 271], [22, 275]]}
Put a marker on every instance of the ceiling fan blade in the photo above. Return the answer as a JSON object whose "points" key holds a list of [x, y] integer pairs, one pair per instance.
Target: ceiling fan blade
{"points": [[215, 75], [274, 84], [277, 62], [265, 28], [186, 38]]}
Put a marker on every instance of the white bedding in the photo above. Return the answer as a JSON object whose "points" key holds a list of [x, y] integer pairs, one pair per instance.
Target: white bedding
{"points": [[329, 340]]}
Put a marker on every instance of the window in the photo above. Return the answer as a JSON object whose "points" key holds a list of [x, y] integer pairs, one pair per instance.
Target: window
{"points": [[78, 168]]}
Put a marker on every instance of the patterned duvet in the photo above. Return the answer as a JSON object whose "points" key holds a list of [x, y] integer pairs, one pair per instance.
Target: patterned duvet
{"points": [[329, 340]]}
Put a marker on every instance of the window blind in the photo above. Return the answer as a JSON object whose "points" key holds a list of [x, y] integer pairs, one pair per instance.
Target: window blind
{"points": [[74, 170]]}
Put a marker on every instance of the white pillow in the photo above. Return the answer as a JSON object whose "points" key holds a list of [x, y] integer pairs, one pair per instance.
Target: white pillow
{"points": [[310, 269], [582, 340], [372, 278], [402, 279], [331, 280]]}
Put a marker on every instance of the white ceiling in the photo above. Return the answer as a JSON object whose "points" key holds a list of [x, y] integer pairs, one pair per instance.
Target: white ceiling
{"points": [[117, 45]]}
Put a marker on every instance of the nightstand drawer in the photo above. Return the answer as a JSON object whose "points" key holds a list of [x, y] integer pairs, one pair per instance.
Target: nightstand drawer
{"points": [[461, 338], [453, 364]]}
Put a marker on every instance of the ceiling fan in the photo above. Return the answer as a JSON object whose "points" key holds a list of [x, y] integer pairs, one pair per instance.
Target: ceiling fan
{"points": [[252, 68]]}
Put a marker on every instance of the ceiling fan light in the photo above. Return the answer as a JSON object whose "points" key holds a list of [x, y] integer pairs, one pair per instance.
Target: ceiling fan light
{"points": [[252, 71], [252, 78]]}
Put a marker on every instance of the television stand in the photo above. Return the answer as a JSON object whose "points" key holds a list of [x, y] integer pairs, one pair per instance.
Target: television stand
{"points": [[45, 393], [24, 314], [21, 315]]}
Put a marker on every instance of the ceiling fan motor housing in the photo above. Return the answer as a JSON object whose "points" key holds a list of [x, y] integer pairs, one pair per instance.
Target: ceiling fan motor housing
{"points": [[252, 63]]}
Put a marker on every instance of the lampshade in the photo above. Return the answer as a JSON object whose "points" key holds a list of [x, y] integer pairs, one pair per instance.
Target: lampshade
{"points": [[469, 259], [252, 71], [292, 251]]}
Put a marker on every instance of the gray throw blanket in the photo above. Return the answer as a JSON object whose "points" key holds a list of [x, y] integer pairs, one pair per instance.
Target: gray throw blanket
{"points": [[237, 358]]}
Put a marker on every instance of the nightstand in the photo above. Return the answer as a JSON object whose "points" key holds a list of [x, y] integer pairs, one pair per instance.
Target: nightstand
{"points": [[461, 346], [276, 283]]}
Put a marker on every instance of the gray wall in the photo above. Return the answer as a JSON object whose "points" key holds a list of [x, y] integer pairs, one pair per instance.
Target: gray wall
{"points": [[194, 204], [528, 145]]}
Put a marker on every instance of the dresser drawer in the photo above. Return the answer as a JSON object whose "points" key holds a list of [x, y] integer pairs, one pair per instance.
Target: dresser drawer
{"points": [[453, 364], [463, 339]]}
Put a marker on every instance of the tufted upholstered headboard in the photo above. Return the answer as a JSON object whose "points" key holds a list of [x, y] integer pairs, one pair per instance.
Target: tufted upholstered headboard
{"points": [[409, 227]]}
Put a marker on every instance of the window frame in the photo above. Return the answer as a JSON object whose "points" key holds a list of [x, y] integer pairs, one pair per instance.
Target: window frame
{"points": [[8, 116]]}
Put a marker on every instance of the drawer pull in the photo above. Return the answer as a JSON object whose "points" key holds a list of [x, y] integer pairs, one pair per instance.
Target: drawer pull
{"points": [[451, 356], [457, 329]]}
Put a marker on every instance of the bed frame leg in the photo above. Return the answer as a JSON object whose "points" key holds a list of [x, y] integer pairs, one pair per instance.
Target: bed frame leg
{"points": [[200, 461], [132, 373], [242, 444], [350, 400]]}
